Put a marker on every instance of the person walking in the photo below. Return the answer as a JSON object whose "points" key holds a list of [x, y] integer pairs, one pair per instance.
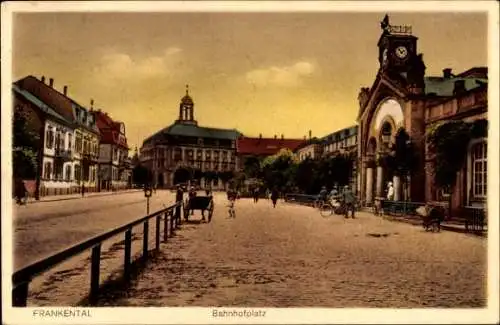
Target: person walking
{"points": [[179, 197], [268, 194], [274, 197], [20, 191], [256, 195], [192, 194], [349, 201], [83, 189]]}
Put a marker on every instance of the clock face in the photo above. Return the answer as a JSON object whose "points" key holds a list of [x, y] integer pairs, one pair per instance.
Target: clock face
{"points": [[401, 52]]}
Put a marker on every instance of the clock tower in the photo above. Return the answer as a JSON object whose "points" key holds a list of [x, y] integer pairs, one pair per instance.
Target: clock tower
{"points": [[397, 47]]}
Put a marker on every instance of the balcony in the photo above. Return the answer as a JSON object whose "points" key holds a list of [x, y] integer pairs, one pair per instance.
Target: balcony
{"points": [[64, 154], [90, 158]]}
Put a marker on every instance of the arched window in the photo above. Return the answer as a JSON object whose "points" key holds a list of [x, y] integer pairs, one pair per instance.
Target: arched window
{"points": [[385, 134], [478, 170]]}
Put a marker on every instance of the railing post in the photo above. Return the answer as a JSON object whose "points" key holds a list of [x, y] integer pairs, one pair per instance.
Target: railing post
{"points": [[128, 253], [145, 240], [94, 273], [158, 232], [171, 225], [165, 227], [20, 294]]}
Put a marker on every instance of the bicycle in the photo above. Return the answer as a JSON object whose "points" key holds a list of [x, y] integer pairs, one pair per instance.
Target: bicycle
{"points": [[327, 209], [318, 203]]}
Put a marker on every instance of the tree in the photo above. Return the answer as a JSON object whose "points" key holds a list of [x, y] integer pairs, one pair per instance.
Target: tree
{"points": [[403, 157], [304, 176], [251, 167], [141, 175], [448, 142], [26, 148]]}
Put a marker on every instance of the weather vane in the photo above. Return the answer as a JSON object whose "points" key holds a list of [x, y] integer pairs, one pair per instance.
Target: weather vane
{"points": [[392, 29]]}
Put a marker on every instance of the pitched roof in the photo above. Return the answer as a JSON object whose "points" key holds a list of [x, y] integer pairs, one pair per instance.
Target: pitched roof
{"points": [[60, 103], [190, 130], [342, 134], [109, 129], [38, 103], [265, 146], [441, 86]]}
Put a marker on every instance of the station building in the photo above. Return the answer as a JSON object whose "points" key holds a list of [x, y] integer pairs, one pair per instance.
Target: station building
{"points": [[403, 97], [185, 151]]}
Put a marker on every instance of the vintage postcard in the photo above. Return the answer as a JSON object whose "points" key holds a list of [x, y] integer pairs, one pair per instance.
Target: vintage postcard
{"points": [[204, 162]]}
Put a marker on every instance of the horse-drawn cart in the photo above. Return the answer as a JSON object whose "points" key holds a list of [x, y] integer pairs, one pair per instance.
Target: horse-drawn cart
{"points": [[203, 203]]}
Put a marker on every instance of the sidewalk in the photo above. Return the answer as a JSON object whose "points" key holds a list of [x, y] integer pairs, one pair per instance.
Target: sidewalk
{"points": [[53, 198], [445, 225]]}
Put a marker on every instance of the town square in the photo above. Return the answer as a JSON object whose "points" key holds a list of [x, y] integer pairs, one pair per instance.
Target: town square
{"points": [[252, 160]]}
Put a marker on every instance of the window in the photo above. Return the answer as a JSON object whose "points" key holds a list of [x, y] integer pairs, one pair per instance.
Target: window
{"points": [[78, 143], [61, 140], [47, 170], [68, 173], [70, 141], [78, 173], [58, 140], [58, 170], [479, 170], [49, 138]]}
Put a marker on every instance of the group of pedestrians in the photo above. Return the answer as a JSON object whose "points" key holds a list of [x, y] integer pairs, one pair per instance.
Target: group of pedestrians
{"points": [[346, 199]]}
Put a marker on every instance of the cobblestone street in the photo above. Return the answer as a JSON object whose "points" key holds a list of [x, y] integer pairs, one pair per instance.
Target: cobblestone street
{"points": [[292, 256]]}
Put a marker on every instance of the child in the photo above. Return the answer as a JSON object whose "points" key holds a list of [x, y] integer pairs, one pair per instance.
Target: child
{"points": [[230, 205]]}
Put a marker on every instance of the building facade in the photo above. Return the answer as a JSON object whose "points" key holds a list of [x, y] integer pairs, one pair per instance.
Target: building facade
{"points": [[309, 149], [86, 155], [402, 100], [69, 138], [343, 142], [55, 147], [185, 152], [114, 166], [263, 147]]}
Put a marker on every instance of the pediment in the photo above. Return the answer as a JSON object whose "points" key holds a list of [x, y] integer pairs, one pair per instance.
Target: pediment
{"points": [[383, 87]]}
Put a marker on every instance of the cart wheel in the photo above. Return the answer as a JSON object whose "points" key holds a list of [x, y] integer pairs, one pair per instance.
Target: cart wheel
{"points": [[326, 210]]}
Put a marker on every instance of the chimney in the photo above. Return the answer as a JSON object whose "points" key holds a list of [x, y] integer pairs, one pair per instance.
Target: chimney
{"points": [[65, 90], [43, 79], [91, 104], [275, 136], [282, 137], [51, 82], [459, 87], [447, 73], [260, 135], [310, 134]]}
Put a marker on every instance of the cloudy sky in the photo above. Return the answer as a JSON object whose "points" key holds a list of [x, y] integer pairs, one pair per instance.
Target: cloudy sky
{"points": [[269, 73]]}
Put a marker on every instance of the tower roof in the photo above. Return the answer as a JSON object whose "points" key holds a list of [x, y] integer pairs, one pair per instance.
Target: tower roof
{"points": [[187, 99]]}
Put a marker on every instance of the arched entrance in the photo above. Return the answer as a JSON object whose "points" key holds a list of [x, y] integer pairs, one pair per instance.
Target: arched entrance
{"points": [[181, 175]]}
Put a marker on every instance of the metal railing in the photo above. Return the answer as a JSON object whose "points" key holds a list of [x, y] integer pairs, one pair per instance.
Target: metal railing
{"points": [[475, 218], [301, 198], [171, 217], [400, 208]]}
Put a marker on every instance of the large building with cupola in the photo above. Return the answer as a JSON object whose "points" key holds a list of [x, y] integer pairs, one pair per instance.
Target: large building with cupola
{"points": [[185, 151], [404, 100]]}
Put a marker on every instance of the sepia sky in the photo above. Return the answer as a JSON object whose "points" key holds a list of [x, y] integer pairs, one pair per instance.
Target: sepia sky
{"points": [[269, 73]]}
